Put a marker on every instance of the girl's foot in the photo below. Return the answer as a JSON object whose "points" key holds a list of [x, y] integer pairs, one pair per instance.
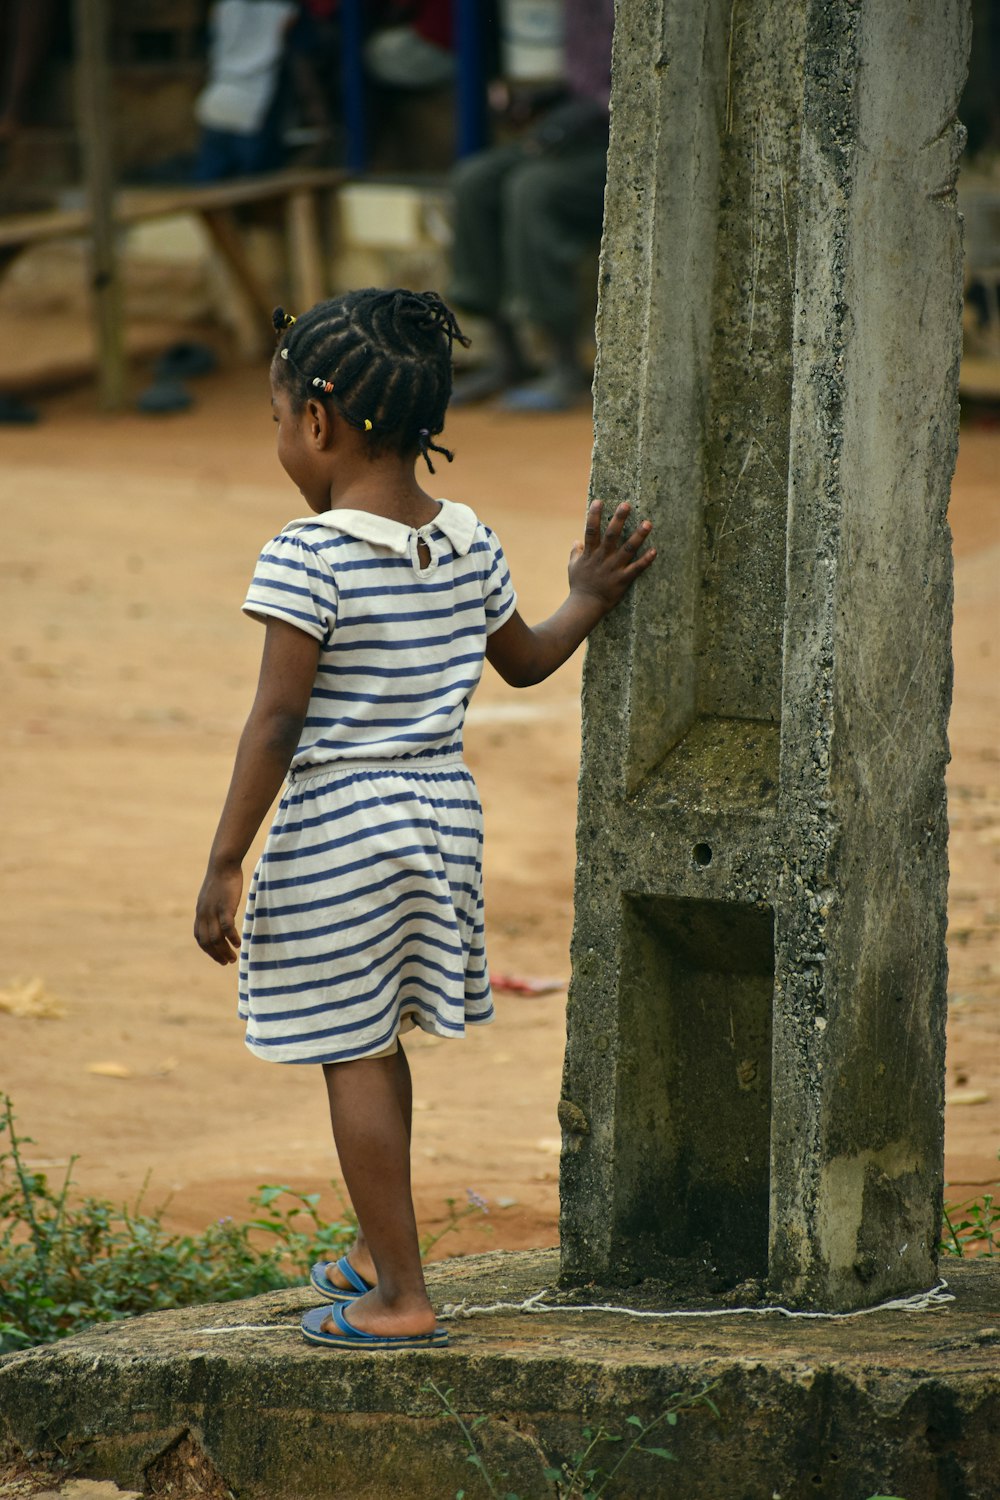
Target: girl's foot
{"points": [[372, 1314], [362, 1267]]}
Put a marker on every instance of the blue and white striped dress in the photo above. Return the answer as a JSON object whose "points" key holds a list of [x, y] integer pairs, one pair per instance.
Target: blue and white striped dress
{"points": [[365, 913]]}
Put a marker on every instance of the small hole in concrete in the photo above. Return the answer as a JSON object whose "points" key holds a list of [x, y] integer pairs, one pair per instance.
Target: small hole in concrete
{"points": [[702, 854]]}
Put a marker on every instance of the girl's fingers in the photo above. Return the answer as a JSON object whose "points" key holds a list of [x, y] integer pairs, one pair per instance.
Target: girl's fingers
{"points": [[229, 931], [613, 530], [633, 545], [592, 534], [219, 940]]}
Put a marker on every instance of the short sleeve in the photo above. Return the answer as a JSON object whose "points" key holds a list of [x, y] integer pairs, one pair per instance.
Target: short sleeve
{"points": [[498, 591], [293, 582]]}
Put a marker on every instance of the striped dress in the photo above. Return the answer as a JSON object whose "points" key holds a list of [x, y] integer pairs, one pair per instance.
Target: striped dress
{"points": [[364, 915]]}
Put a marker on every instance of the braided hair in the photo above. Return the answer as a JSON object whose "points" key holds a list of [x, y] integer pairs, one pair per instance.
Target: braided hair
{"points": [[382, 358]]}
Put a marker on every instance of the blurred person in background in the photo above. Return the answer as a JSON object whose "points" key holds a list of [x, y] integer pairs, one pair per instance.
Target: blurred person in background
{"points": [[526, 213], [238, 109], [314, 73]]}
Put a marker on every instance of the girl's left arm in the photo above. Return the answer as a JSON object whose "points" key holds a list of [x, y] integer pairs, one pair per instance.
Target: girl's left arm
{"points": [[602, 569], [267, 744]]}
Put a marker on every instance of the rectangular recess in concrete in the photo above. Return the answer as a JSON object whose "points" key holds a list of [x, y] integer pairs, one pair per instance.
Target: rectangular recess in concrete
{"points": [[694, 1083], [720, 765]]}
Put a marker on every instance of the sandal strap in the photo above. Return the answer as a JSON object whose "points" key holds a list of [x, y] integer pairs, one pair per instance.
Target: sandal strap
{"points": [[350, 1275]]}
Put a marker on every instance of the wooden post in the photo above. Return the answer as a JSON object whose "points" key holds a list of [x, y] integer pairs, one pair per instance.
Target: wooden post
{"points": [[93, 100], [305, 249], [255, 313]]}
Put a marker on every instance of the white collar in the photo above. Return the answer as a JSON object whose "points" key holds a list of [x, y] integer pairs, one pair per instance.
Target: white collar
{"points": [[457, 522]]}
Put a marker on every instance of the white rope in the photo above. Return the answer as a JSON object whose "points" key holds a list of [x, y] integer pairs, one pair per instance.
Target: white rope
{"points": [[938, 1296], [930, 1301], [250, 1328]]}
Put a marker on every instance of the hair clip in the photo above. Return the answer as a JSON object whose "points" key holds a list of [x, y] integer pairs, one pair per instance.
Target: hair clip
{"points": [[284, 353], [324, 385], [368, 425]]}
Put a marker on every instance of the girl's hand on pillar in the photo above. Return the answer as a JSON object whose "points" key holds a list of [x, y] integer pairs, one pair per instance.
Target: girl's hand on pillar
{"points": [[601, 570], [606, 567]]}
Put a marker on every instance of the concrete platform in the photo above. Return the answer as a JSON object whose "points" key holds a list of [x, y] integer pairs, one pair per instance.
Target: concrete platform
{"points": [[891, 1403]]}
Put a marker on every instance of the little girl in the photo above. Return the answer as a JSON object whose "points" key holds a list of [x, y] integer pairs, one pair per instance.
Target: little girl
{"points": [[364, 917]]}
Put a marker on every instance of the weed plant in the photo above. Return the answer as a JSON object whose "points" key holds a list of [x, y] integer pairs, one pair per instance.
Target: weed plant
{"points": [[67, 1263], [587, 1473], [972, 1228]]}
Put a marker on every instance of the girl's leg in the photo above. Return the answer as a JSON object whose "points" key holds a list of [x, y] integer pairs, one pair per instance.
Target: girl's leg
{"points": [[371, 1131], [360, 1255]]}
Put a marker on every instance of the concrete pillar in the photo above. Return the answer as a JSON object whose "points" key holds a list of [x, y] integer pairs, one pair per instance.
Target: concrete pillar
{"points": [[755, 1059]]}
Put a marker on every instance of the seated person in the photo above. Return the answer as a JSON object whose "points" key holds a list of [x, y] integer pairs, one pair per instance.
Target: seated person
{"points": [[525, 214]]}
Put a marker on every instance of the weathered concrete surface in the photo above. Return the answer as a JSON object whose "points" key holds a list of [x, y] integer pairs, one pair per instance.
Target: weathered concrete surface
{"points": [[890, 1403], [755, 1061], [70, 1489]]}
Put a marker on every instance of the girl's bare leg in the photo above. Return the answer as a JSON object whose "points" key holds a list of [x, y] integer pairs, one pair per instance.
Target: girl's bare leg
{"points": [[360, 1255], [371, 1130]]}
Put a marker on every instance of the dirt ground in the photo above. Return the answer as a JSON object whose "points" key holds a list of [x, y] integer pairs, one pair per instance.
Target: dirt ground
{"points": [[126, 670]]}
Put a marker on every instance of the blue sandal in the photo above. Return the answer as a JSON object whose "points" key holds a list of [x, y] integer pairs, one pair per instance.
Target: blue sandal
{"points": [[356, 1285], [350, 1337]]}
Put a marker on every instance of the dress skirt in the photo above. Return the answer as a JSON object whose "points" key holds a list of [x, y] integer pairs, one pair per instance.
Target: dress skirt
{"points": [[365, 913]]}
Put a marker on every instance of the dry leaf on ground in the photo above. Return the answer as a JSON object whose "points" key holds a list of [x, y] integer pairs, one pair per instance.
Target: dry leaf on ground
{"points": [[967, 1096], [109, 1070], [29, 997]]}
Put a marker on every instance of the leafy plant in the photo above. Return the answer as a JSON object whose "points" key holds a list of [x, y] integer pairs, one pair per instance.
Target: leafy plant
{"points": [[583, 1477], [473, 1456], [972, 1228], [66, 1264]]}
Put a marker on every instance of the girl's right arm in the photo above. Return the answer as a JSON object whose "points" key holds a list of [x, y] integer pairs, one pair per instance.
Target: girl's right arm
{"points": [[269, 740]]}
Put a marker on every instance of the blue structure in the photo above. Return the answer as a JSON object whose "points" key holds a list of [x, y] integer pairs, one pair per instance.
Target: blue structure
{"points": [[470, 83]]}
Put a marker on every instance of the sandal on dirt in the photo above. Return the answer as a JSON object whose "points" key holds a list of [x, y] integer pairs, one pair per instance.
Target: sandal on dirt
{"points": [[356, 1285], [349, 1337]]}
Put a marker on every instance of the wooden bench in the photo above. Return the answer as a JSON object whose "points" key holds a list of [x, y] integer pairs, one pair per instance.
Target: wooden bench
{"points": [[299, 191]]}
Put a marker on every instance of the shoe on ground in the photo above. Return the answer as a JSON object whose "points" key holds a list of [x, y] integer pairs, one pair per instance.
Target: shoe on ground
{"points": [[184, 361], [164, 396], [484, 383], [558, 390], [17, 412]]}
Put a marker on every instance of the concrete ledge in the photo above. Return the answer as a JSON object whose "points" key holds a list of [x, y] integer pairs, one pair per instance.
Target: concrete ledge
{"points": [[892, 1403]]}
